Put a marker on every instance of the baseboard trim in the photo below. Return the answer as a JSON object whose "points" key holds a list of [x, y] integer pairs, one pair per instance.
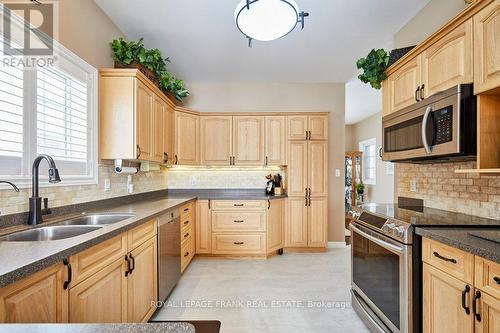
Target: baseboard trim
{"points": [[336, 245]]}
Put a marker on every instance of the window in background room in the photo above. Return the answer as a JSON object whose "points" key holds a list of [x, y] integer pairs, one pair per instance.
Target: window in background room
{"points": [[369, 149]]}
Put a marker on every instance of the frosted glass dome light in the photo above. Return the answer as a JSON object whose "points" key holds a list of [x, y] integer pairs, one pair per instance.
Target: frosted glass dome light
{"points": [[266, 20]]}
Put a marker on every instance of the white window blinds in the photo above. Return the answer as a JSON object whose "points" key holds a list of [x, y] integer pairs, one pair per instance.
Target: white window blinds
{"points": [[369, 149]]}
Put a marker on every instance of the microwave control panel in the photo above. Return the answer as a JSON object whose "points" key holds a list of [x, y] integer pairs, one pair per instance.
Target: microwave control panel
{"points": [[444, 125]]}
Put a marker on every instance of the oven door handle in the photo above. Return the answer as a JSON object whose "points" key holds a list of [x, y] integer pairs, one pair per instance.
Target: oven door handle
{"points": [[427, 147], [378, 241]]}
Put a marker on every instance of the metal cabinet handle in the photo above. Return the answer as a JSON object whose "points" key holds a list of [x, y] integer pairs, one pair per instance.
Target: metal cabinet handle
{"points": [[186, 209], [268, 204], [138, 151], [422, 92], [165, 157], [496, 279], [176, 159], [437, 255], [310, 135], [128, 266], [70, 273], [239, 243], [464, 298], [186, 254], [186, 223], [133, 263], [477, 296], [186, 235], [417, 94], [267, 161], [305, 198], [307, 135], [239, 205], [239, 221]]}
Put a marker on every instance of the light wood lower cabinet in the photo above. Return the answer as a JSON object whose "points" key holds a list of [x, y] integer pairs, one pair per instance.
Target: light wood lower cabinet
{"points": [[317, 221], [203, 227], [275, 221], [490, 314], [306, 222], [188, 234], [39, 298], [236, 244]]}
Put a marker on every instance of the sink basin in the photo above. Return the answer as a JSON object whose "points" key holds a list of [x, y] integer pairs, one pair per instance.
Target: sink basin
{"points": [[96, 219], [48, 233]]}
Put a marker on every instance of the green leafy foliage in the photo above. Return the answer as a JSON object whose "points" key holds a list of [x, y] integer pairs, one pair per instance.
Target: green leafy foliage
{"points": [[373, 66], [360, 188], [126, 52]]}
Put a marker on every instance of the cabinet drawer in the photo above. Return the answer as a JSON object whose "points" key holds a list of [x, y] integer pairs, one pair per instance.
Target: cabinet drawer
{"points": [[187, 221], [140, 234], [234, 221], [238, 205], [90, 261], [187, 252], [487, 276], [238, 244], [453, 261], [187, 233], [187, 210]]}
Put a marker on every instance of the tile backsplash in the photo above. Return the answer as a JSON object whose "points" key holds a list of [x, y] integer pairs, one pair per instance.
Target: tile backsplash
{"points": [[440, 187]]}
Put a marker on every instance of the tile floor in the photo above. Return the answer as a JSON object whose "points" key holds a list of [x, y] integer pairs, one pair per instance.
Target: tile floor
{"points": [[296, 292]]}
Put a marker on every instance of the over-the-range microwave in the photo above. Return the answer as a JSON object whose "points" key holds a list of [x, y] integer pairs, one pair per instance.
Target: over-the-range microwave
{"points": [[439, 128]]}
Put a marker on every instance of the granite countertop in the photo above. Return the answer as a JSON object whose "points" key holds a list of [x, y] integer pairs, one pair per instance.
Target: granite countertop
{"points": [[98, 328], [462, 238], [225, 194]]}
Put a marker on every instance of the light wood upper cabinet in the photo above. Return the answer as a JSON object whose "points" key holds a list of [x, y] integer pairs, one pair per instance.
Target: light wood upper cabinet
{"points": [[443, 312], [248, 140], [203, 227], [487, 48], [317, 159], [318, 127], [318, 221], [168, 133], [297, 127], [39, 298], [102, 298], [275, 225], [402, 86], [187, 139], [159, 110], [216, 140], [448, 62], [275, 140], [142, 283], [144, 118], [297, 168]]}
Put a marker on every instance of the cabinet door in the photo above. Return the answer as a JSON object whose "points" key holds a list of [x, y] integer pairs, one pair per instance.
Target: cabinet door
{"points": [[168, 133], [297, 127], [159, 109], [442, 298], [317, 159], [216, 140], [142, 283], [275, 140], [402, 86], [487, 48], [248, 140], [102, 298], [203, 227], [318, 126], [296, 223], [275, 225], [297, 168], [144, 116], [39, 298], [187, 139], [489, 309], [448, 62], [317, 222]]}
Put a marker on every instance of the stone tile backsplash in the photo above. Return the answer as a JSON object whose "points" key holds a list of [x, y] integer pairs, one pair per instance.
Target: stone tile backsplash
{"points": [[440, 187]]}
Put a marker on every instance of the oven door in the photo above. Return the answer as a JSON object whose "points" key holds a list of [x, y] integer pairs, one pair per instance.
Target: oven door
{"points": [[381, 276], [429, 131]]}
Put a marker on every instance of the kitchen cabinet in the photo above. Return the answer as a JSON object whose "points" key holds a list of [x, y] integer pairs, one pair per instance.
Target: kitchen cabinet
{"points": [[187, 233], [168, 134], [130, 116], [216, 140], [239, 244], [203, 227], [187, 139], [39, 298], [310, 127], [296, 225], [275, 140], [317, 220], [400, 88], [297, 168], [490, 314], [487, 48], [248, 140], [317, 168], [275, 218]]}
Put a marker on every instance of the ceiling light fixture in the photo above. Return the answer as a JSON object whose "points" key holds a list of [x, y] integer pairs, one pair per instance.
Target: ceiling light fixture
{"points": [[266, 20]]}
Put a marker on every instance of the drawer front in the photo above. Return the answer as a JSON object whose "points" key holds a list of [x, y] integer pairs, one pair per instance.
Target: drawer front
{"points": [[141, 233], [238, 221], [187, 209], [453, 261], [487, 276], [187, 221], [187, 233], [238, 244], [90, 261], [187, 253], [238, 205]]}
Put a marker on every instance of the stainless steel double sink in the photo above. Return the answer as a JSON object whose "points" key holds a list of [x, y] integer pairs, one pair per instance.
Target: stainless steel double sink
{"points": [[66, 229]]}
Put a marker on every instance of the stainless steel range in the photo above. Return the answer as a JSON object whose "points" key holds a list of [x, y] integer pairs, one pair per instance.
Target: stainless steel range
{"points": [[386, 261]]}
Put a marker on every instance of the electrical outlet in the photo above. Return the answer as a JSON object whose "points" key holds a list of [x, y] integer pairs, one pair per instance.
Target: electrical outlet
{"points": [[337, 172], [107, 185], [413, 185]]}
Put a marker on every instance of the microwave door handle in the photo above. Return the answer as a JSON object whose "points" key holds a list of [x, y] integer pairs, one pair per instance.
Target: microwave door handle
{"points": [[427, 147]]}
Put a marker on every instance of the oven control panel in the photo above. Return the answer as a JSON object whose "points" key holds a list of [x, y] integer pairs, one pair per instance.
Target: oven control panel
{"points": [[396, 229]]}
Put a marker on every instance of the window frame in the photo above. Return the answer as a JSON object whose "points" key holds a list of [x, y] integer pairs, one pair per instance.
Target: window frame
{"points": [[362, 147], [69, 63]]}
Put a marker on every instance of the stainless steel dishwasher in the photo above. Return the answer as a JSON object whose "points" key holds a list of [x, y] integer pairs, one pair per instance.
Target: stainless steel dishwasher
{"points": [[169, 253]]}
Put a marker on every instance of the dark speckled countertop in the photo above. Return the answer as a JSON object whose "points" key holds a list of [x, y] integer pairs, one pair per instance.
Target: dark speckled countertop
{"points": [[98, 328], [223, 194], [463, 239]]}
